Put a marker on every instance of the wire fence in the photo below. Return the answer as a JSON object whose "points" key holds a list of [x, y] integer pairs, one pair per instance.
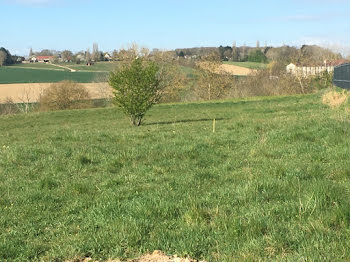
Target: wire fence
{"points": [[342, 76]]}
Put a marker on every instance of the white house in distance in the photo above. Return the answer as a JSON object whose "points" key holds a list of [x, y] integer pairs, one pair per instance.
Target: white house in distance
{"points": [[308, 70], [107, 57], [303, 70]]}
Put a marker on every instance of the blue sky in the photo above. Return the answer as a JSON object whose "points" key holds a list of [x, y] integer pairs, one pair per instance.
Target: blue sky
{"points": [[169, 24]]}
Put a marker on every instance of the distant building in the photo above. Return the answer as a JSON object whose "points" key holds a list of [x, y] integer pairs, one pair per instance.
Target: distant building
{"points": [[107, 57], [81, 57], [44, 59], [306, 70]]}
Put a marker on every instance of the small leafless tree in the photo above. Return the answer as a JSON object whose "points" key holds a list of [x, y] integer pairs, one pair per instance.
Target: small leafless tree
{"points": [[88, 56], [26, 100], [95, 52], [3, 57]]}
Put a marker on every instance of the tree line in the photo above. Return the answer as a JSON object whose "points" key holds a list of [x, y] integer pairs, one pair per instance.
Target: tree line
{"points": [[307, 54], [7, 59]]}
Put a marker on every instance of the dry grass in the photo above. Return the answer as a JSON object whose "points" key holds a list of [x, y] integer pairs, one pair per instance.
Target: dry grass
{"points": [[335, 99], [16, 91]]}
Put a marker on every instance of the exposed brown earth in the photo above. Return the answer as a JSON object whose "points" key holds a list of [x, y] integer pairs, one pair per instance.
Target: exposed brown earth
{"points": [[19, 93], [226, 69], [235, 70], [156, 256]]}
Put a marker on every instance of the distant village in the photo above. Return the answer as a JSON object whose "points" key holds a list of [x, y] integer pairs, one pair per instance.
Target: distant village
{"points": [[306, 60]]}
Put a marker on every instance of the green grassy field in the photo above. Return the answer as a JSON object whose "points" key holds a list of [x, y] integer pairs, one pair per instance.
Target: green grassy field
{"points": [[36, 66], [272, 183], [250, 65], [46, 73], [16, 74], [99, 66]]}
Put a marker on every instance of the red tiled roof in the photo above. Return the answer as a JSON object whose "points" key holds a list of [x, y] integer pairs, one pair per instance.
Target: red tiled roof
{"points": [[337, 62], [44, 57]]}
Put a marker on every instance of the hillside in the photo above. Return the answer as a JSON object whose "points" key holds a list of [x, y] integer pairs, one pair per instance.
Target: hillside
{"points": [[272, 183]]}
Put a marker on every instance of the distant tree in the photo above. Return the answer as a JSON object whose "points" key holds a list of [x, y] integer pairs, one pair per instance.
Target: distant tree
{"points": [[235, 54], [3, 57], [134, 51], [30, 52], [115, 55], [123, 55], [95, 53], [144, 52], [244, 54], [67, 55], [181, 54], [45, 52], [257, 56], [228, 54], [138, 87], [316, 55], [283, 54], [8, 59], [211, 83], [225, 53], [88, 56], [221, 52]]}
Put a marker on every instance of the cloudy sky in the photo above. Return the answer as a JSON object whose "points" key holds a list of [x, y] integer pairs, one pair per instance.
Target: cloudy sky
{"points": [[168, 24]]}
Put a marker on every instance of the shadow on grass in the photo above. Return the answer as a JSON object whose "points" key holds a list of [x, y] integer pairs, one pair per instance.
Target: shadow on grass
{"points": [[184, 121]]}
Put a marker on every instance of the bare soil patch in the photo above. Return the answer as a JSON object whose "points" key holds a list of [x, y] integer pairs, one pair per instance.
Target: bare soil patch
{"points": [[226, 69], [31, 92], [156, 256], [235, 70]]}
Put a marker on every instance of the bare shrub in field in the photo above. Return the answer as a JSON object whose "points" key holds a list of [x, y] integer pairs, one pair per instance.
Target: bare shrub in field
{"points": [[211, 85], [173, 81], [211, 82], [8, 107], [64, 95], [170, 75], [335, 99]]}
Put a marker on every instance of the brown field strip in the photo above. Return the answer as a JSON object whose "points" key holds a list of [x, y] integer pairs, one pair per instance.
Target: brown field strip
{"points": [[19, 93], [226, 69]]}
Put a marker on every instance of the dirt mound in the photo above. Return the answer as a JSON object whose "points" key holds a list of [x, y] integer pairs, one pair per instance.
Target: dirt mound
{"points": [[156, 256]]}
